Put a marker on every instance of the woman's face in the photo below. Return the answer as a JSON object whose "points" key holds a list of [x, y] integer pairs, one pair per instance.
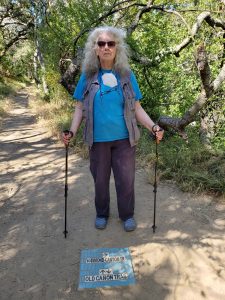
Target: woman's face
{"points": [[106, 48]]}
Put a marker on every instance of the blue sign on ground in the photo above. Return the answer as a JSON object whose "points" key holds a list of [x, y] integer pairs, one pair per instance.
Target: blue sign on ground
{"points": [[105, 267]]}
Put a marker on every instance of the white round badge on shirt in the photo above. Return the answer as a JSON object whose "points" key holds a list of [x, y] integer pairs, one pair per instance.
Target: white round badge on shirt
{"points": [[109, 79]]}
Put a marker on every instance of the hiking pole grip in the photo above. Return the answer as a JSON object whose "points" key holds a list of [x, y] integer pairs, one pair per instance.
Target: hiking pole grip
{"points": [[154, 130]]}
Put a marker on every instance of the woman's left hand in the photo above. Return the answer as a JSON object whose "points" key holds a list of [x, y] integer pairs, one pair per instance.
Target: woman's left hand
{"points": [[158, 132]]}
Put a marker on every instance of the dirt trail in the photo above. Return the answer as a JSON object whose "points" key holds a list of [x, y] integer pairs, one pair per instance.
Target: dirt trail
{"points": [[184, 259]]}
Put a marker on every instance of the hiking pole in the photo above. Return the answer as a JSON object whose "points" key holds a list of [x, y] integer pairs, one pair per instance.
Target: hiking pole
{"points": [[66, 185], [155, 181], [155, 184]]}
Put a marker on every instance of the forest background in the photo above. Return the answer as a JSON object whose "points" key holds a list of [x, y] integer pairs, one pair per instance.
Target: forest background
{"points": [[177, 52]]}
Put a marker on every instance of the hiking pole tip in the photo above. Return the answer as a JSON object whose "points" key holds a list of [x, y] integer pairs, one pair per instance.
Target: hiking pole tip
{"points": [[154, 228], [65, 233]]}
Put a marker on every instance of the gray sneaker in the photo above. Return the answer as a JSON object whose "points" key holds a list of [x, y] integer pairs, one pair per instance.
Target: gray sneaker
{"points": [[100, 223], [129, 224]]}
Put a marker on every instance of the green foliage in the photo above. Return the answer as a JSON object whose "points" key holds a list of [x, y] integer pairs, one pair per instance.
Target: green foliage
{"points": [[8, 86], [57, 115], [19, 61], [5, 89]]}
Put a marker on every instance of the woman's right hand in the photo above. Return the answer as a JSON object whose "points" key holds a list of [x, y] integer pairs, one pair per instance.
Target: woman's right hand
{"points": [[67, 136]]}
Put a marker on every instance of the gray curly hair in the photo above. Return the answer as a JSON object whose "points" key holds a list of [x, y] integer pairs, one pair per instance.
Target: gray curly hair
{"points": [[91, 62]]}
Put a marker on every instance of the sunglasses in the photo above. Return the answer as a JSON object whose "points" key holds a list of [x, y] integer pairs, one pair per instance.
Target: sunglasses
{"points": [[110, 44]]}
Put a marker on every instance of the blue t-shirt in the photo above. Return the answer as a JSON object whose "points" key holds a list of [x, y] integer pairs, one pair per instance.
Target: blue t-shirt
{"points": [[108, 110]]}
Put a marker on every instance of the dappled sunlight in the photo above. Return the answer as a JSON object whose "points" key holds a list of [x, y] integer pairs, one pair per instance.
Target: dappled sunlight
{"points": [[143, 225], [216, 241], [175, 234], [219, 224], [34, 288], [51, 205], [84, 202], [56, 217], [173, 220], [174, 206], [74, 178], [7, 254], [187, 209]]}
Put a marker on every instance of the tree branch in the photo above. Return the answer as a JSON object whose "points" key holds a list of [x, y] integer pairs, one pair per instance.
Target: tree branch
{"points": [[208, 89], [215, 22], [21, 35]]}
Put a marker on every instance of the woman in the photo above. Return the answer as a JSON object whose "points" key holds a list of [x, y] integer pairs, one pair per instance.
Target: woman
{"points": [[108, 97]]}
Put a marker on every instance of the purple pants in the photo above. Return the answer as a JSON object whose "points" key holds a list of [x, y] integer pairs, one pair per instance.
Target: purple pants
{"points": [[120, 157]]}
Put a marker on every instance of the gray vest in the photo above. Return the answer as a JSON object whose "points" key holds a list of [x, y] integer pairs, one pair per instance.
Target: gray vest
{"points": [[129, 108]]}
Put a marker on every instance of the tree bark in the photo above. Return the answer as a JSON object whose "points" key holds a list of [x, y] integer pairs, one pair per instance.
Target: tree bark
{"points": [[68, 79]]}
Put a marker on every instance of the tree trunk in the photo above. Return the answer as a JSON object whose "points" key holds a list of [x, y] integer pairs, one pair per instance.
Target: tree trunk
{"points": [[69, 76], [35, 67]]}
